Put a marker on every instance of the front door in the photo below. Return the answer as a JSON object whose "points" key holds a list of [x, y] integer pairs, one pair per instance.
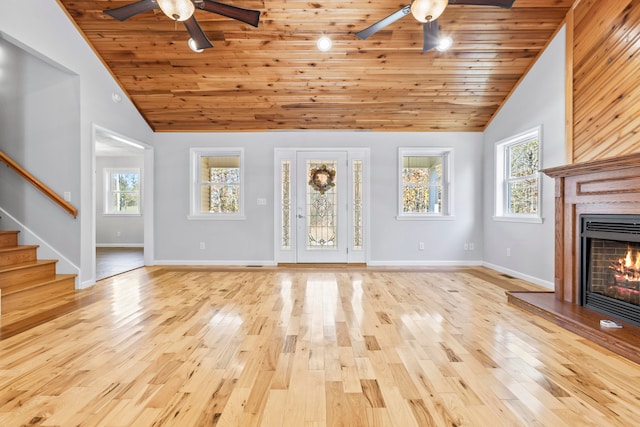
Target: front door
{"points": [[321, 215]]}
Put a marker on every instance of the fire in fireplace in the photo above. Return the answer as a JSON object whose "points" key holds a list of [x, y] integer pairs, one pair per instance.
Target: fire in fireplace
{"points": [[625, 277], [610, 265]]}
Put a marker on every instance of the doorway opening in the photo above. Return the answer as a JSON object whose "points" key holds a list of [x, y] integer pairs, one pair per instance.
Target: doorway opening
{"points": [[122, 203]]}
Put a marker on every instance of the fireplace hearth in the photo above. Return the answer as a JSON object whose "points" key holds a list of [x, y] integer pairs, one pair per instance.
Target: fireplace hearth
{"points": [[610, 265]]}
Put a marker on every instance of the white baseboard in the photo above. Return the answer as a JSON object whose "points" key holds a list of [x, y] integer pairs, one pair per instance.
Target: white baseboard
{"points": [[234, 263], [534, 280], [119, 245], [414, 263]]}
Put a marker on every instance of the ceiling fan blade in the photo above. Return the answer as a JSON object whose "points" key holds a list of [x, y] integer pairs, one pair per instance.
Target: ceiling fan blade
{"points": [[369, 31], [125, 12], [248, 16], [500, 3], [196, 33], [430, 31]]}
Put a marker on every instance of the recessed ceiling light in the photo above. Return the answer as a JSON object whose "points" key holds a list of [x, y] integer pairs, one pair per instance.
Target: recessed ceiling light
{"points": [[444, 43], [193, 46], [324, 43]]}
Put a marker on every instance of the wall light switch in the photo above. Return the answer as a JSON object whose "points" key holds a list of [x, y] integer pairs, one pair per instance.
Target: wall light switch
{"points": [[262, 202], [67, 196]]}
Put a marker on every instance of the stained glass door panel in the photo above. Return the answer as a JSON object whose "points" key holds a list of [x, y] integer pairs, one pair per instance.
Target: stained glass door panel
{"points": [[321, 218]]}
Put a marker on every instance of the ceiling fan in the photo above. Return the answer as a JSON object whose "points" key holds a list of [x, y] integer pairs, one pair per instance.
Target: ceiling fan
{"points": [[182, 10], [427, 12]]}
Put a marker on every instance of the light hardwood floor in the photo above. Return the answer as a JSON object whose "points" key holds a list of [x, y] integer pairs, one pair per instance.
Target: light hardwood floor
{"points": [[303, 347], [111, 261]]}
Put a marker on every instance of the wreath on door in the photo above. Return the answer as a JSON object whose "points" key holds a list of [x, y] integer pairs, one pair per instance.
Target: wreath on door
{"points": [[321, 179]]}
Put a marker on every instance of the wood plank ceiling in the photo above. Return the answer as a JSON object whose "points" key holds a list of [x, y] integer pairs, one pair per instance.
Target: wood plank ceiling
{"points": [[274, 78]]}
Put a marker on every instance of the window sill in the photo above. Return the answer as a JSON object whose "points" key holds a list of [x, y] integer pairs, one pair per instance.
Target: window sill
{"points": [[425, 217], [216, 217], [121, 214], [524, 219]]}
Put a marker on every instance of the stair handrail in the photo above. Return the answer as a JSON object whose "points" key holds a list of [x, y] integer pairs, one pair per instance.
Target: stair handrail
{"points": [[39, 185]]}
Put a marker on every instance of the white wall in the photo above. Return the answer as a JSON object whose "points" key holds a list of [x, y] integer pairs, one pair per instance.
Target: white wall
{"points": [[117, 230], [539, 100], [252, 241], [41, 27]]}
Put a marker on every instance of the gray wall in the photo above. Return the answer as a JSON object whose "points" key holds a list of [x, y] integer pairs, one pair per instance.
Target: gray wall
{"points": [[251, 240], [117, 230], [539, 100]]}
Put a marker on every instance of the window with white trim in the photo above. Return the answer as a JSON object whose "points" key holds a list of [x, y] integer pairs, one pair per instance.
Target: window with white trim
{"points": [[122, 191], [518, 180], [425, 183], [217, 183]]}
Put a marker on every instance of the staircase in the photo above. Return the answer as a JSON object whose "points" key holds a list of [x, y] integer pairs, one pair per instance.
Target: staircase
{"points": [[28, 286]]}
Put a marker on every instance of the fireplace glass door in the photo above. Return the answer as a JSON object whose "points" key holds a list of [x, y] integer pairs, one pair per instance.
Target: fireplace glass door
{"points": [[610, 265]]}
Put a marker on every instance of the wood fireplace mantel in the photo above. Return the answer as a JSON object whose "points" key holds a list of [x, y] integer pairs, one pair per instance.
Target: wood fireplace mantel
{"points": [[609, 186]]}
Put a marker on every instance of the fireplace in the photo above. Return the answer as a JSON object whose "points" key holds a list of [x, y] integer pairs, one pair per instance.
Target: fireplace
{"points": [[610, 265], [605, 195]]}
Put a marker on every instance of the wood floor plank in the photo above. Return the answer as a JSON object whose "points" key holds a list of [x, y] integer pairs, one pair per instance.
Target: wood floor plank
{"points": [[316, 347]]}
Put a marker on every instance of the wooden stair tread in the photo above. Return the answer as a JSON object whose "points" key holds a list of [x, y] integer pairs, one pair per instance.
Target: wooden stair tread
{"points": [[18, 248], [28, 264], [32, 284], [2, 232]]}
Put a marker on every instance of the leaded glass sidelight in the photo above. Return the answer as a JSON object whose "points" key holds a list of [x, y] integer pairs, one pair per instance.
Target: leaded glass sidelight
{"points": [[285, 177], [321, 203], [357, 204]]}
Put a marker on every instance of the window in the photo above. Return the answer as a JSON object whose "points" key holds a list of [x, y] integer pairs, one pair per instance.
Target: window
{"points": [[518, 177], [122, 192], [217, 183], [425, 183]]}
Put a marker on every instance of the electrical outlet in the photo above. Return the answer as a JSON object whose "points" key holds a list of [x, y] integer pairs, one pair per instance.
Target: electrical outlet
{"points": [[202, 246], [471, 246], [421, 246], [508, 251], [118, 234], [466, 246]]}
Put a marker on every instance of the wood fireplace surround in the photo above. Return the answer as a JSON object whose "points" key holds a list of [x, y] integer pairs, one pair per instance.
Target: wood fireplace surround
{"points": [[609, 186]]}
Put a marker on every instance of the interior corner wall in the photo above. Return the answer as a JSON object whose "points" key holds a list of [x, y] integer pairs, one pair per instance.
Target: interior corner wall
{"points": [[538, 100], [42, 29]]}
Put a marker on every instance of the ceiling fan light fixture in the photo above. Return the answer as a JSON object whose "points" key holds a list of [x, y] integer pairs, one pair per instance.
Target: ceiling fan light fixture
{"points": [[444, 43], [194, 46], [178, 10], [428, 10]]}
